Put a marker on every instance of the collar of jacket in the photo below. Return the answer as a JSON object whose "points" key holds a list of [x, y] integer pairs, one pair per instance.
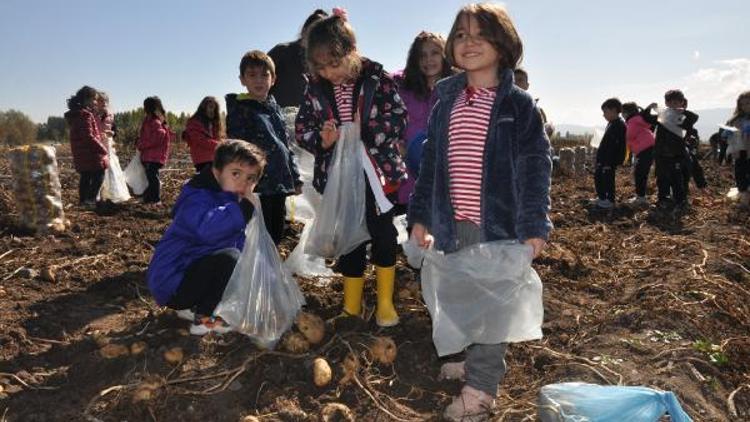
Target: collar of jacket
{"points": [[205, 180], [450, 87]]}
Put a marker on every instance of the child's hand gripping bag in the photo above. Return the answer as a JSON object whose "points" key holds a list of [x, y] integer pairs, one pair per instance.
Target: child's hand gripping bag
{"points": [[261, 300], [135, 175], [339, 225]]}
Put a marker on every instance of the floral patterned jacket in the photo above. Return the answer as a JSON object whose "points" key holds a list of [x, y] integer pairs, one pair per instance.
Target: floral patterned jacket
{"points": [[383, 119]]}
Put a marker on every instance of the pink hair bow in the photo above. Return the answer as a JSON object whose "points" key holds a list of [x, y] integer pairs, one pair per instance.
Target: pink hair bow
{"points": [[340, 12]]}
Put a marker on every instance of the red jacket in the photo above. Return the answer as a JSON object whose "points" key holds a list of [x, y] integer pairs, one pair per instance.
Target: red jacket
{"points": [[154, 141], [201, 141], [89, 151]]}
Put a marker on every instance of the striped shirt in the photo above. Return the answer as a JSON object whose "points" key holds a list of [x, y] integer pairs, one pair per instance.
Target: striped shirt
{"points": [[467, 133], [344, 95]]}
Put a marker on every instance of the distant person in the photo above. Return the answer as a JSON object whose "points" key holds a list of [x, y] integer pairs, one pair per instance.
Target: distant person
{"points": [[153, 143], [425, 65], [289, 58], [345, 86], [670, 151], [254, 116], [195, 258], [640, 139], [740, 144], [610, 154], [203, 132], [90, 154], [521, 79]]}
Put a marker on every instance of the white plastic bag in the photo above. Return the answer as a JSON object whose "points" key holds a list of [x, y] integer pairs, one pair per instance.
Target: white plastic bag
{"points": [[135, 175], [115, 187], [581, 402], [340, 225], [486, 293], [261, 300]]}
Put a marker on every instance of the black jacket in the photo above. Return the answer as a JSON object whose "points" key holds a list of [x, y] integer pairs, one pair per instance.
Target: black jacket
{"points": [[668, 143], [611, 150], [290, 85]]}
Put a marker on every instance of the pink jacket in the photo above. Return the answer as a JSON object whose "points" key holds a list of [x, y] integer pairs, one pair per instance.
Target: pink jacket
{"points": [[201, 141], [639, 135], [154, 141]]}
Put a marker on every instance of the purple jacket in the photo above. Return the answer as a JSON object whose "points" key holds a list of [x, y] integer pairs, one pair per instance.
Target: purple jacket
{"points": [[206, 219], [418, 110]]}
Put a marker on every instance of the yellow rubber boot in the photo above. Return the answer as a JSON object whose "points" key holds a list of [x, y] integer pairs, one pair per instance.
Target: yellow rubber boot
{"points": [[353, 287], [385, 315]]}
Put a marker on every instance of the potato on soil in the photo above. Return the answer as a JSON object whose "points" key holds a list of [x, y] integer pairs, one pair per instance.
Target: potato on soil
{"points": [[174, 355], [112, 351], [384, 350], [296, 343], [321, 372], [311, 326]]}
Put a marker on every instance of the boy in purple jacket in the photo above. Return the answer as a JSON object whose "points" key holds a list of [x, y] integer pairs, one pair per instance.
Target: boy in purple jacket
{"points": [[195, 258]]}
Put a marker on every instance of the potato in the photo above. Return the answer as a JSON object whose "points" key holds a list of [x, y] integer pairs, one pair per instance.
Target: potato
{"points": [[384, 350], [48, 274], [143, 394], [336, 412], [311, 326], [321, 372], [138, 347], [350, 367], [174, 355], [112, 351], [250, 418], [296, 343]]}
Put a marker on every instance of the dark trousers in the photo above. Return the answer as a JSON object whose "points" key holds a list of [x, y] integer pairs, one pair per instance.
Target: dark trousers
{"points": [[204, 282], [670, 179], [274, 215], [643, 161], [152, 193], [89, 185], [694, 170], [604, 181], [742, 171], [200, 166], [383, 242]]}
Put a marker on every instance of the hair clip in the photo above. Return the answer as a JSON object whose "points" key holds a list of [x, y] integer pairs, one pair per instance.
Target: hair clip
{"points": [[340, 12]]}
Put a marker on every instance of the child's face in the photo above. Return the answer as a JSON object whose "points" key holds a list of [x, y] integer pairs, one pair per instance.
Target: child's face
{"points": [[471, 50], [336, 71], [237, 177], [210, 110], [101, 103], [430, 59], [745, 105], [675, 103], [610, 114], [258, 81]]}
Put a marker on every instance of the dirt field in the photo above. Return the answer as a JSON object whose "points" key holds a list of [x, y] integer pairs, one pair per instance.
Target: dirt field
{"points": [[631, 297]]}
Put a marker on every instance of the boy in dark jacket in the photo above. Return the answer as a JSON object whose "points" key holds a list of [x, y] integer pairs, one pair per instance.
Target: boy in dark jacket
{"points": [[256, 118], [670, 151], [194, 260], [611, 153]]}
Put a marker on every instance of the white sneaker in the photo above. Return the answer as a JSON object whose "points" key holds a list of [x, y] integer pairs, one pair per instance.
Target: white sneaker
{"points": [[471, 405], [186, 314], [453, 371], [605, 204]]}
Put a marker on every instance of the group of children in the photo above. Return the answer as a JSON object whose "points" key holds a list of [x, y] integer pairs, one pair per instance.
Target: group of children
{"points": [[665, 137]]}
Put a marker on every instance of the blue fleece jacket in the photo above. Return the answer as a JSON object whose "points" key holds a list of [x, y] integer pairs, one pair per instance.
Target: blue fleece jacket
{"points": [[516, 171]]}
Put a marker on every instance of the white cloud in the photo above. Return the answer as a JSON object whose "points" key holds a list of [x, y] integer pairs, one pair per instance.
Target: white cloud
{"points": [[719, 85]]}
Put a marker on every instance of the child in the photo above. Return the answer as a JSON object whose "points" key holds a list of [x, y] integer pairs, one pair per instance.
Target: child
{"points": [[611, 153], [670, 152], [425, 65], [86, 144], [194, 260], [521, 79], [256, 118], [741, 147], [203, 133], [346, 87], [485, 173], [640, 140], [153, 144]]}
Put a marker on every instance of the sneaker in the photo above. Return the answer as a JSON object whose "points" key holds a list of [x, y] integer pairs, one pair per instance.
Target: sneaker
{"points": [[220, 326], [453, 371], [605, 204], [471, 405], [638, 201], [186, 314], [201, 326]]}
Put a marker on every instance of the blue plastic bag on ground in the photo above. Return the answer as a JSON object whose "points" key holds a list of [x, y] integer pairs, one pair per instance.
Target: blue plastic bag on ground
{"points": [[582, 402]]}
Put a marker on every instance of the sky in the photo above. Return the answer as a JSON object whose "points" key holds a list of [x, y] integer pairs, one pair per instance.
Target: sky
{"points": [[577, 53]]}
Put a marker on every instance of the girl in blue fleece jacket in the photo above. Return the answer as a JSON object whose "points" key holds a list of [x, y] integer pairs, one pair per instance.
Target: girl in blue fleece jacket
{"points": [[194, 260], [485, 172]]}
